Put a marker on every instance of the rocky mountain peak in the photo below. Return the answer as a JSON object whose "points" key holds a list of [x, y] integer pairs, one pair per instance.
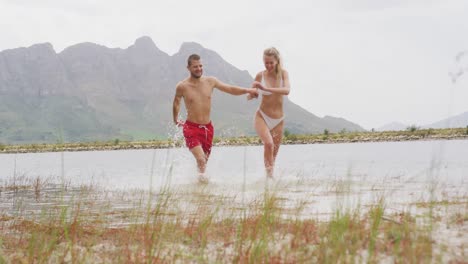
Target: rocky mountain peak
{"points": [[42, 48], [145, 43], [191, 47]]}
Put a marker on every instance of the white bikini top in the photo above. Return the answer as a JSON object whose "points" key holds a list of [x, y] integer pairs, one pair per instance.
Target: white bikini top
{"points": [[264, 85]]}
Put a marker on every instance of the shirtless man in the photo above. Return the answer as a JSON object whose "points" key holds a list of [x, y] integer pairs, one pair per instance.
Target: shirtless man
{"points": [[196, 91]]}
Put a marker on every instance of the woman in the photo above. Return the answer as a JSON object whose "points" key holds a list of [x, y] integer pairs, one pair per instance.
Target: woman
{"points": [[272, 83]]}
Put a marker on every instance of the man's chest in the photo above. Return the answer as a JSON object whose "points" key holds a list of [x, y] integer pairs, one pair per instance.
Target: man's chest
{"points": [[200, 93]]}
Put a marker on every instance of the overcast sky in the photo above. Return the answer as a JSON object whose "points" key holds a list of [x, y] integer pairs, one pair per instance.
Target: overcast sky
{"points": [[369, 61]]}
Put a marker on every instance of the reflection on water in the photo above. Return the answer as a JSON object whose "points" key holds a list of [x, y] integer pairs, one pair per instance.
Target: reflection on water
{"points": [[320, 176]]}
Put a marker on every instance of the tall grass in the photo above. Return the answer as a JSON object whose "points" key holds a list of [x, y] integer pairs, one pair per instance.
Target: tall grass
{"points": [[201, 224]]}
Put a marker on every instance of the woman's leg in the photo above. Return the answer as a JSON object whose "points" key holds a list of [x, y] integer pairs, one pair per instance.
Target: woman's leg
{"points": [[277, 135], [264, 133]]}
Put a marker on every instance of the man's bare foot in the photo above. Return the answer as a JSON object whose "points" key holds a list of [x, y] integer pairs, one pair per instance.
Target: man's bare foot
{"points": [[202, 178]]}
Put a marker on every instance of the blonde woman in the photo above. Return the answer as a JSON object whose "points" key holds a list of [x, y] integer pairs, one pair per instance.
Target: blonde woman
{"points": [[272, 83]]}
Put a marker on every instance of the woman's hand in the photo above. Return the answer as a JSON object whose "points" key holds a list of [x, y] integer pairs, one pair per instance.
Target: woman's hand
{"points": [[258, 85]]}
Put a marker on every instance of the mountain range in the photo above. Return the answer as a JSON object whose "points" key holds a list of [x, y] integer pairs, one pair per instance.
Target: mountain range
{"points": [[90, 92], [455, 121], [460, 120]]}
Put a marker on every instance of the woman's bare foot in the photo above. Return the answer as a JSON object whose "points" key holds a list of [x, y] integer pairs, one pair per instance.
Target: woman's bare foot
{"points": [[269, 173]]}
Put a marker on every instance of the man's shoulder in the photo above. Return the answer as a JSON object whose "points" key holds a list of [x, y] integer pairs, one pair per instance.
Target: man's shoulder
{"points": [[209, 79], [182, 83]]}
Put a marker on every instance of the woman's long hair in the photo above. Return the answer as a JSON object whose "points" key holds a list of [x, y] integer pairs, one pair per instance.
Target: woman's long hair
{"points": [[275, 54]]}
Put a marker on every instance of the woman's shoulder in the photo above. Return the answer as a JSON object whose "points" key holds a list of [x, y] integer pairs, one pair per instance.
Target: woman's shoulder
{"points": [[259, 75]]}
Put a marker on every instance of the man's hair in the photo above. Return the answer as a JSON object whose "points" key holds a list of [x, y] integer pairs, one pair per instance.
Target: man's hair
{"points": [[193, 57]]}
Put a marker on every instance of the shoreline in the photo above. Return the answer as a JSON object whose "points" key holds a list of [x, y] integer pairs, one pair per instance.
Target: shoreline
{"points": [[290, 139]]}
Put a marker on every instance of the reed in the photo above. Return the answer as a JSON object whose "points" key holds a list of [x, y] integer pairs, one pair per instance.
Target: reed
{"points": [[202, 224]]}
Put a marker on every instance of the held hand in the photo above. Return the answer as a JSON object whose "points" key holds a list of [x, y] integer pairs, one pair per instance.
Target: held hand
{"points": [[255, 94], [258, 85], [252, 96], [252, 92]]}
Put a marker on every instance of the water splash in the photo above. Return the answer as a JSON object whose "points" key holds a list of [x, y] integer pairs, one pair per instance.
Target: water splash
{"points": [[174, 134]]}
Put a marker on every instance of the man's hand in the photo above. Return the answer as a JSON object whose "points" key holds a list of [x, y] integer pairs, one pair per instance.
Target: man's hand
{"points": [[252, 95], [179, 123], [252, 92]]}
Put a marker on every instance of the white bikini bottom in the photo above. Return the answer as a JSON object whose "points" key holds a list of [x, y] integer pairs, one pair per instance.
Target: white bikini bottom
{"points": [[270, 122]]}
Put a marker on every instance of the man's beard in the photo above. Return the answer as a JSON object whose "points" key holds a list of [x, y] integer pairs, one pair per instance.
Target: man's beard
{"points": [[196, 76]]}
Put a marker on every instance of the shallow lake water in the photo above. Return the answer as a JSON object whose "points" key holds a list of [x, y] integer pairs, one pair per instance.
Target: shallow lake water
{"points": [[324, 175]]}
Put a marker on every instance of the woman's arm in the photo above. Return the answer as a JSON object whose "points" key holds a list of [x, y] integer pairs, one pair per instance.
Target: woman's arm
{"points": [[284, 90]]}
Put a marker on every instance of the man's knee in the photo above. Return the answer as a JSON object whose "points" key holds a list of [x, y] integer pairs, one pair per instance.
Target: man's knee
{"points": [[201, 160]]}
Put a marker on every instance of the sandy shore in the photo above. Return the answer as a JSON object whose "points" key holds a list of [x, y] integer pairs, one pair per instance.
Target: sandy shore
{"points": [[332, 138]]}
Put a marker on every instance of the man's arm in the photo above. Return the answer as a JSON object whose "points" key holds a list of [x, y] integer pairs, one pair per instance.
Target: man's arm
{"points": [[232, 89], [176, 104], [258, 78]]}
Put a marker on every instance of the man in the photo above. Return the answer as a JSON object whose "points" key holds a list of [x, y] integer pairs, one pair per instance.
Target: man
{"points": [[196, 91]]}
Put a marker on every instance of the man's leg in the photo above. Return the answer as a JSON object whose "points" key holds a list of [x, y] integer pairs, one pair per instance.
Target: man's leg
{"points": [[201, 159]]}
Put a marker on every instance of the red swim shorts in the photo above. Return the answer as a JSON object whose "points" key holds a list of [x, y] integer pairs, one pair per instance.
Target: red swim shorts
{"points": [[196, 134]]}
